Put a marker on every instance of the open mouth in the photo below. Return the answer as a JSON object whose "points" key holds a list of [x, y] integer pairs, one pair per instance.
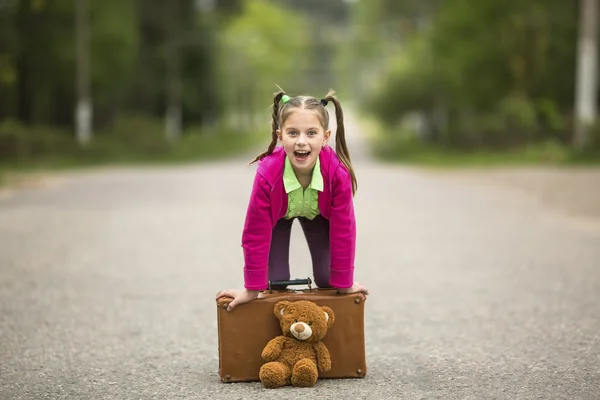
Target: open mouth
{"points": [[301, 155]]}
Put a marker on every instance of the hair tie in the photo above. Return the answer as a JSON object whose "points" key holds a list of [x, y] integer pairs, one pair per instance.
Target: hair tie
{"points": [[285, 98], [324, 102]]}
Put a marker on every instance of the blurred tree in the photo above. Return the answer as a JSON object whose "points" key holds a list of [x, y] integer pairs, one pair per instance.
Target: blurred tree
{"points": [[9, 41], [374, 32], [127, 65], [325, 21], [482, 73], [44, 56], [227, 8], [176, 50], [264, 46], [83, 110], [321, 12], [587, 70], [113, 44]]}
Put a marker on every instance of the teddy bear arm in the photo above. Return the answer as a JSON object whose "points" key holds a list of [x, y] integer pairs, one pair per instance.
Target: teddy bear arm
{"points": [[323, 356], [273, 349]]}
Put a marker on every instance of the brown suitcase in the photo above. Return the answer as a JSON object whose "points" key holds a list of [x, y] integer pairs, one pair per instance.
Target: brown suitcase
{"points": [[245, 331]]}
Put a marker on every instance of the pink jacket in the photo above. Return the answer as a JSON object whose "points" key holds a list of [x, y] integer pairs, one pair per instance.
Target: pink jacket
{"points": [[269, 202]]}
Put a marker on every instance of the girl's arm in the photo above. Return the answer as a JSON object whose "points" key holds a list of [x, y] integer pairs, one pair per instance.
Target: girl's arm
{"points": [[256, 236], [342, 228]]}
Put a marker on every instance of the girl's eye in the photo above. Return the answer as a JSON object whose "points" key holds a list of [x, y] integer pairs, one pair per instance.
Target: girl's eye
{"points": [[292, 133], [312, 133]]}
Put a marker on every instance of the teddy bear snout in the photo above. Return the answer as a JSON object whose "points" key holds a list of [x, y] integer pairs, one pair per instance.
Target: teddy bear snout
{"points": [[301, 331]]}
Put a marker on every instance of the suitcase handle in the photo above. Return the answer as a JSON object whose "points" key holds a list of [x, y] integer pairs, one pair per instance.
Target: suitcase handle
{"points": [[306, 281]]}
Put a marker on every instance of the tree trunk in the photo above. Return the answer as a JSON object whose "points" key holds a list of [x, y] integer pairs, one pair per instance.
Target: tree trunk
{"points": [[585, 106], [83, 112]]}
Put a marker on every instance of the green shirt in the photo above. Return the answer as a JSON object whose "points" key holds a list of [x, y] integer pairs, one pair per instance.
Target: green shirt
{"points": [[302, 203]]}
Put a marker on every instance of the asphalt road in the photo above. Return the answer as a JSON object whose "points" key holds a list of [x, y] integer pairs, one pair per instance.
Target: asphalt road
{"points": [[108, 278]]}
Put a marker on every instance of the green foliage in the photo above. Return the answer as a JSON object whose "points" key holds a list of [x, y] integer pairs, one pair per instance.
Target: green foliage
{"points": [[23, 145], [113, 41], [404, 148], [220, 59], [266, 43], [330, 11], [409, 84], [491, 74], [262, 47], [127, 61], [132, 139]]}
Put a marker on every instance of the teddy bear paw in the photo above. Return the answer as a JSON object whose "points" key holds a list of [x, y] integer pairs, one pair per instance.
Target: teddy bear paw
{"points": [[274, 374], [305, 373]]}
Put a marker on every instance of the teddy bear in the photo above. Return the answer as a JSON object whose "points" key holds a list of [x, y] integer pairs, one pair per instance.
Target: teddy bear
{"points": [[296, 357]]}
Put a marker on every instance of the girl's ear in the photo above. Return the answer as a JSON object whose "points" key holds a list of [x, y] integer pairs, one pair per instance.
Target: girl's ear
{"points": [[278, 133], [327, 135]]}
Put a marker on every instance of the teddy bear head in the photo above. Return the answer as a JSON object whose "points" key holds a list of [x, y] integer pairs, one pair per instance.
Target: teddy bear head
{"points": [[303, 319]]}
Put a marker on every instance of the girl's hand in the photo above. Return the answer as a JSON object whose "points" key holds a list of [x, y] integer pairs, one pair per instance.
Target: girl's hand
{"points": [[356, 288], [239, 296]]}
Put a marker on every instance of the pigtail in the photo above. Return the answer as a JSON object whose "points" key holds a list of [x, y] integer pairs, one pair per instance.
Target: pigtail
{"points": [[341, 148], [274, 126]]}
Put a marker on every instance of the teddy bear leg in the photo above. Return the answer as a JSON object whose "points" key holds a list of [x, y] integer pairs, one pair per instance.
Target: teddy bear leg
{"points": [[305, 373], [274, 374]]}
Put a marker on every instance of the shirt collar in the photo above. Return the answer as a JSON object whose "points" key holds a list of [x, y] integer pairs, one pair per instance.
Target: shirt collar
{"points": [[291, 182]]}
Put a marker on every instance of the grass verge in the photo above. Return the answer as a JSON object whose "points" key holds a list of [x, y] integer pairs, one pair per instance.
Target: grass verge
{"points": [[140, 141], [405, 148]]}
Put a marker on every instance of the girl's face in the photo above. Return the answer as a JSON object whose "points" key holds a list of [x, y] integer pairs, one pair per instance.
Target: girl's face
{"points": [[303, 137]]}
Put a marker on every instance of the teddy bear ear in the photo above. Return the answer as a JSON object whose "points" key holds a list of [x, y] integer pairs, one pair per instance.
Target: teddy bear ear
{"points": [[280, 308], [329, 315]]}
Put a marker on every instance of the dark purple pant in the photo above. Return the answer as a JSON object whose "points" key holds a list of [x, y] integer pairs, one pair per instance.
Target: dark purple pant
{"points": [[316, 232]]}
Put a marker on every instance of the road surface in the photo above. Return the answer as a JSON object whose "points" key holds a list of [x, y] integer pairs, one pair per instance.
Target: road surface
{"points": [[108, 278]]}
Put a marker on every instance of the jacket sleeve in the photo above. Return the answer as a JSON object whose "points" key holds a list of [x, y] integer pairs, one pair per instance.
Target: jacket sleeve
{"points": [[256, 236], [342, 230]]}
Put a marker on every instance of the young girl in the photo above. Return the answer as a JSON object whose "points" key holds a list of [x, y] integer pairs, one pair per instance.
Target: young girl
{"points": [[302, 179]]}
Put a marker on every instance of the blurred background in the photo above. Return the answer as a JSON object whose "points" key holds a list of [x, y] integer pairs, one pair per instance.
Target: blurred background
{"points": [[85, 81]]}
